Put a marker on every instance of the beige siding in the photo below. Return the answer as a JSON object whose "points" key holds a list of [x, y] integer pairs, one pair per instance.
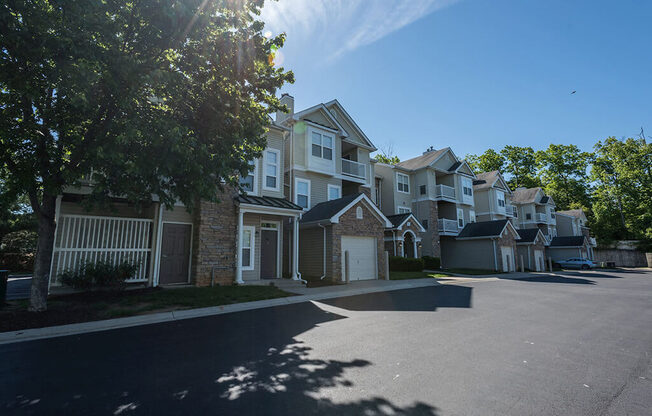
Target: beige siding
{"points": [[387, 188], [178, 214], [318, 186], [255, 220], [445, 162], [274, 141], [564, 226]]}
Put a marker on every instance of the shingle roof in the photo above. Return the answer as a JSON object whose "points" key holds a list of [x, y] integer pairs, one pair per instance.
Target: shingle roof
{"points": [[398, 219], [544, 199], [528, 235], [577, 213], [573, 241], [525, 195], [485, 179], [483, 229], [267, 201], [325, 210], [421, 161]]}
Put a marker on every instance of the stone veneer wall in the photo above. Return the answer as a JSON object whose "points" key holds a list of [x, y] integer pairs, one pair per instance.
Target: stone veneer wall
{"points": [[214, 241], [507, 239], [349, 225]]}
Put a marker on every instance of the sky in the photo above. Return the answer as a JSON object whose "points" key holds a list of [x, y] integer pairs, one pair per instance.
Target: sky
{"points": [[472, 74]]}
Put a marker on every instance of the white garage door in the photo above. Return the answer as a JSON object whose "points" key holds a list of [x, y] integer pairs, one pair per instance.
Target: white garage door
{"points": [[508, 258], [362, 257]]}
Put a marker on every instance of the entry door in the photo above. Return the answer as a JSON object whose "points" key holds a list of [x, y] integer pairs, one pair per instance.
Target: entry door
{"points": [[268, 254], [508, 258], [538, 260], [175, 253]]}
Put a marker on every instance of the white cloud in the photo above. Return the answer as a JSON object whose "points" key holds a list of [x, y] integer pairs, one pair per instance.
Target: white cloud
{"points": [[340, 26]]}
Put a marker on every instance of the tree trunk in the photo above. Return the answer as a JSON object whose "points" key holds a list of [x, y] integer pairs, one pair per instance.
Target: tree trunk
{"points": [[41, 276]]}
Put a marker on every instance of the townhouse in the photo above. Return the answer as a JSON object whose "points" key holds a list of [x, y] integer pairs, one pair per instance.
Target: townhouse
{"points": [[573, 236], [493, 198], [535, 209]]}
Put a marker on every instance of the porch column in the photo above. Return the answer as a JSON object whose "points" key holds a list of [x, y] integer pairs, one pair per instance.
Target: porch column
{"points": [[295, 248], [238, 264]]}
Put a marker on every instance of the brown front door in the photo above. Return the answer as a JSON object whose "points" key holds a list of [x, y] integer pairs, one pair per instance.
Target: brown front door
{"points": [[268, 254], [175, 253]]}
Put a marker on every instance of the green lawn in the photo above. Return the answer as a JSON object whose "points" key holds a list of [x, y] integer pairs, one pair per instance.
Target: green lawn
{"points": [[414, 275], [93, 306]]}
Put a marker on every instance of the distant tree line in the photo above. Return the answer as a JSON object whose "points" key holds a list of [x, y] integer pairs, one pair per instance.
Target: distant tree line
{"points": [[612, 184]]}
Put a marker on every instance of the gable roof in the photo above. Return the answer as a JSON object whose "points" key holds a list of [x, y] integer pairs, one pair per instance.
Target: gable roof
{"points": [[324, 110], [572, 241], [577, 213], [486, 229], [332, 210], [525, 195], [422, 161], [398, 220], [529, 235], [352, 123], [455, 166], [486, 180]]}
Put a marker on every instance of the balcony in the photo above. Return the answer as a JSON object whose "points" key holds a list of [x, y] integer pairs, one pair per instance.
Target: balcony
{"points": [[539, 217], [447, 227], [592, 242], [445, 192], [354, 169]]}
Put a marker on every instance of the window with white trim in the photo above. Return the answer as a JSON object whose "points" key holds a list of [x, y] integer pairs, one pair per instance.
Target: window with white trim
{"points": [[334, 192], [460, 218], [247, 251], [358, 213], [302, 193], [403, 183], [467, 187], [248, 183], [471, 216], [272, 160], [404, 210], [322, 146], [501, 199]]}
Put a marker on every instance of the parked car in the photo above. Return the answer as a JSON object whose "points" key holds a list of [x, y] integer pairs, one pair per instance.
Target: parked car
{"points": [[577, 263]]}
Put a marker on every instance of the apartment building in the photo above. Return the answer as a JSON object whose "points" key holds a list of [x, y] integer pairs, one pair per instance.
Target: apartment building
{"points": [[535, 209], [573, 236], [493, 198]]}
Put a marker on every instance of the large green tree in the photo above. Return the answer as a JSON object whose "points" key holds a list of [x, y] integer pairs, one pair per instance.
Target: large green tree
{"points": [[564, 175], [165, 98], [622, 198], [488, 161], [520, 166]]}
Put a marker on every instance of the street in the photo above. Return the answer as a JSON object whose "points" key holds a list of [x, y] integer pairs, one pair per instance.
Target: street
{"points": [[579, 344]]}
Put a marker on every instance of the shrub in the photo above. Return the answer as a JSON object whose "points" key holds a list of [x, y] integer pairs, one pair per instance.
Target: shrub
{"points": [[23, 242], [405, 264], [100, 275], [431, 263]]}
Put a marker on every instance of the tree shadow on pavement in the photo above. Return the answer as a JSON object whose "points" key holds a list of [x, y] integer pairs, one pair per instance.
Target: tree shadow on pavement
{"points": [[241, 363], [424, 299], [593, 274], [557, 279]]}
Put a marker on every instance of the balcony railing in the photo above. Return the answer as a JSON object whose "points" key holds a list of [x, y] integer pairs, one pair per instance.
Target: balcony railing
{"points": [[444, 191], [356, 169], [447, 226], [539, 217]]}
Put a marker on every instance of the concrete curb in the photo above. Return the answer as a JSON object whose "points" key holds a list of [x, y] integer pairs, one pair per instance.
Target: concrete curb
{"points": [[155, 318]]}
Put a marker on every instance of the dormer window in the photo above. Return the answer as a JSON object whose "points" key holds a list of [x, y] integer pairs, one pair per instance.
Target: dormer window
{"points": [[322, 146]]}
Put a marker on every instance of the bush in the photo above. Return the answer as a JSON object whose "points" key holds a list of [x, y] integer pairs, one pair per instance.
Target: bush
{"points": [[100, 275], [405, 264], [22, 242], [17, 262], [431, 263]]}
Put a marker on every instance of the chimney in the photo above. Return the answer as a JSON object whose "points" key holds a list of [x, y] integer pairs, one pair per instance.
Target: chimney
{"points": [[287, 100]]}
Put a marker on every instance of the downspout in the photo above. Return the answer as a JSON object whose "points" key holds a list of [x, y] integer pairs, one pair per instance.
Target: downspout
{"points": [[324, 255], [495, 258], [394, 241]]}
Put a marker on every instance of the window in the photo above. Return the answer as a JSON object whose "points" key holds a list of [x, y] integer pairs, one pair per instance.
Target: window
{"points": [[404, 210], [471, 216], [248, 238], [272, 161], [528, 216], [302, 193], [460, 218], [358, 213], [501, 199], [422, 189], [322, 146], [424, 223], [334, 192], [403, 183], [467, 186], [248, 183]]}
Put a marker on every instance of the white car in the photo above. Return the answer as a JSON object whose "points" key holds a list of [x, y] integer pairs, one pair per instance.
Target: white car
{"points": [[577, 263]]}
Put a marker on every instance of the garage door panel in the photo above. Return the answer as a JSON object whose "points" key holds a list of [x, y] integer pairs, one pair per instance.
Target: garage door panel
{"points": [[362, 257]]}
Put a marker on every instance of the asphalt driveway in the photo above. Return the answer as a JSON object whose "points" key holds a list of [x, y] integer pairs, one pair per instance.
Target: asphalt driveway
{"points": [[577, 344]]}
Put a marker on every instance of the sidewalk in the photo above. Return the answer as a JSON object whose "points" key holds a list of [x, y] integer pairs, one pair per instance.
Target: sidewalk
{"points": [[304, 295]]}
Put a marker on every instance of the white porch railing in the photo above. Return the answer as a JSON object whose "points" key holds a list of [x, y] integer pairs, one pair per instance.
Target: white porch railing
{"points": [[539, 217], [352, 168], [444, 191], [447, 226], [84, 239]]}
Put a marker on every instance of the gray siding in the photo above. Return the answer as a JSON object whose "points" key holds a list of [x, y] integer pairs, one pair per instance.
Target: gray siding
{"points": [[472, 254]]}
